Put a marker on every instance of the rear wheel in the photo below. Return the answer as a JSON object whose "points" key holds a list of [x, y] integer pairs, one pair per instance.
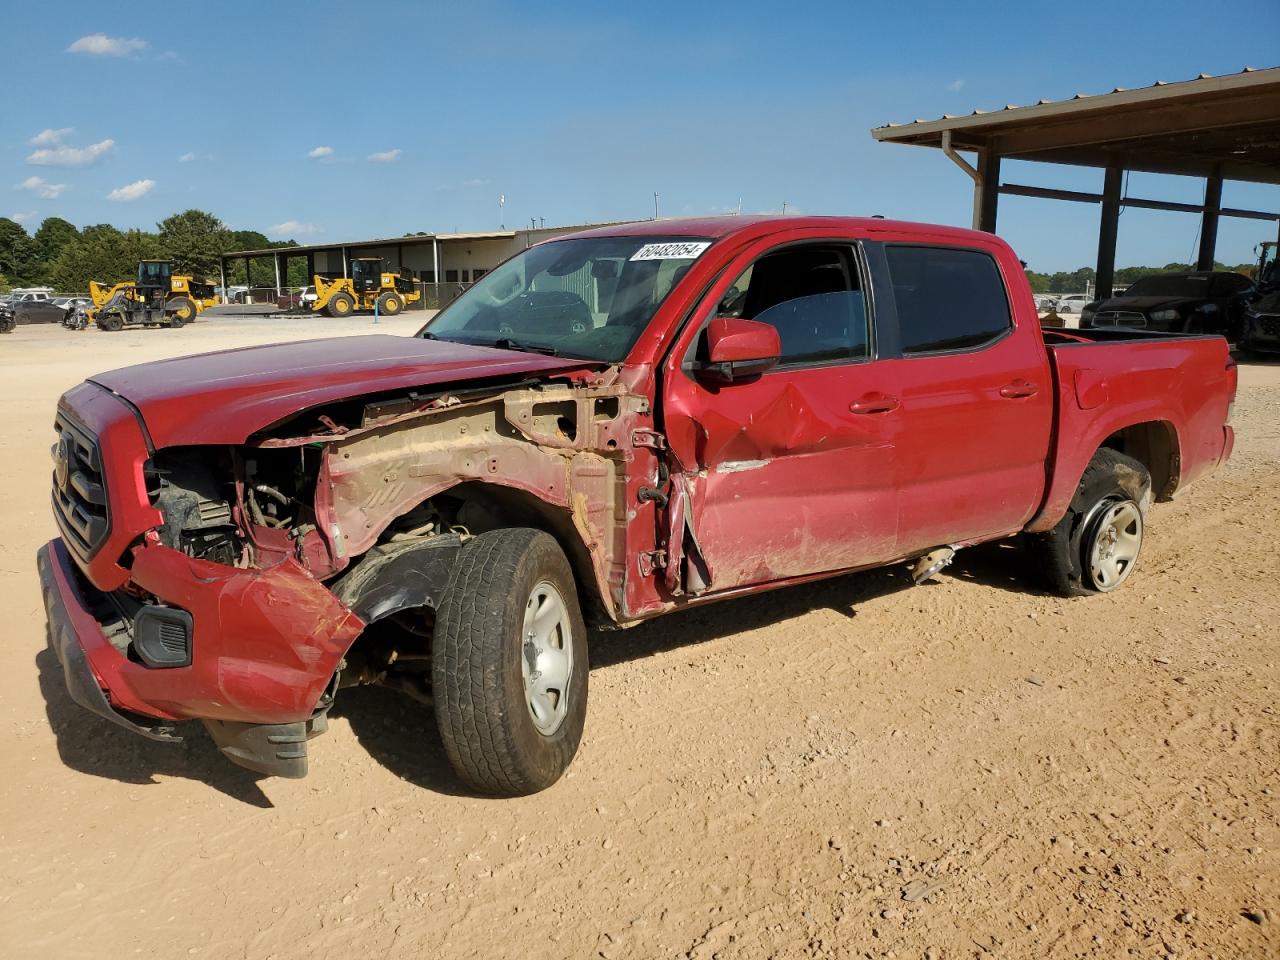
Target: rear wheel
{"points": [[390, 304], [7, 324], [1095, 546], [341, 305], [509, 663]]}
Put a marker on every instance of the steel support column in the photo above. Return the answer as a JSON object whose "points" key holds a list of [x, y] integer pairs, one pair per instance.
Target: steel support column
{"points": [[1108, 229], [986, 192], [275, 258], [222, 272], [1209, 222]]}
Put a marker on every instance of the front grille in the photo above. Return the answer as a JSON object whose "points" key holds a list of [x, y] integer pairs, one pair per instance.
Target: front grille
{"points": [[1270, 326], [1119, 318], [79, 489]]}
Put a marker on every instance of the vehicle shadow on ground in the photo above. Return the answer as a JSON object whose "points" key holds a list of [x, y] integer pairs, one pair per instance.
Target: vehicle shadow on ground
{"points": [[715, 621], [400, 733], [1002, 564], [100, 748]]}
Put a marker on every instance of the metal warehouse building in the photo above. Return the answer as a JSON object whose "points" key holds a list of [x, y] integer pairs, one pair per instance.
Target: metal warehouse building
{"points": [[443, 263]]}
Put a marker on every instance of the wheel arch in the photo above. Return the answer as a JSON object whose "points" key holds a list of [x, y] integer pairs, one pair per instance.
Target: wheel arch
{"points": [[1154, 444], [495, 505]]}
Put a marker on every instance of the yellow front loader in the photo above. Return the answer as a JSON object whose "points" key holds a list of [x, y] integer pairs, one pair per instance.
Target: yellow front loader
{"points": [[156, 298], [369, 286]]}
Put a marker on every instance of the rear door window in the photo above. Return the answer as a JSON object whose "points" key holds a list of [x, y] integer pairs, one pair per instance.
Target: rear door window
{"points": [[947, 298]]}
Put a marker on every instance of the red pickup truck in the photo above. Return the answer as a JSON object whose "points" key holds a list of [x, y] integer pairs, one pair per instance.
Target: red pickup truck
{"points": [[608, 427]]}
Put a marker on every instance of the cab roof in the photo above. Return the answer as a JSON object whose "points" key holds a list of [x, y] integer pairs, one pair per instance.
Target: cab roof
{"points": [[715, 228]]}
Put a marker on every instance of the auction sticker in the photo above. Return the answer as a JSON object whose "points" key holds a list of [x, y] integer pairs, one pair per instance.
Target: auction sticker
{"points": [[685, 250]]}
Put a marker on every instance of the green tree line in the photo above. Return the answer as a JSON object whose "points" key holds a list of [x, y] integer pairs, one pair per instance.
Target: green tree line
{"points": [[1076, 281], [65, 257]]}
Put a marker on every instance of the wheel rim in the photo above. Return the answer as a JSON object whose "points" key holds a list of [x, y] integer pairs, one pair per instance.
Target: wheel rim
{"points": [[546, 657], [1114, 546]]}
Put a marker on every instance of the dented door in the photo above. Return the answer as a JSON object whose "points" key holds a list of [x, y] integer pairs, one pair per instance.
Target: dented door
{"points": [[792, 472], [786, 480]]}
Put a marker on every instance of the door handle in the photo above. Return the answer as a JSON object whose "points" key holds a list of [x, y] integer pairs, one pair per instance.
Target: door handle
{"points": [[874, 403], [1019, 389]]}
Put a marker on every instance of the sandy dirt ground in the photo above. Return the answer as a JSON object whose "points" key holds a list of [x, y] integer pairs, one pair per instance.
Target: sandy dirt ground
{"points": [[859, 768]]}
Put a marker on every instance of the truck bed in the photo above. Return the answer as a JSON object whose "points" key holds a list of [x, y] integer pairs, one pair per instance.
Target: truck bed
{"points": [[1178, 387]]}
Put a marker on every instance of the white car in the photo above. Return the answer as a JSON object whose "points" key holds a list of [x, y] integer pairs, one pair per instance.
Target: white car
{"points": [[1073, 302]]}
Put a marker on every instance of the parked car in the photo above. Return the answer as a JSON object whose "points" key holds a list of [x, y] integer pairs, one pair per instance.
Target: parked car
{"points": [[1195, 302], [246, 533], [1046, 303], [1072, 302], [37, 310], [1260, 332], [300, 299]]}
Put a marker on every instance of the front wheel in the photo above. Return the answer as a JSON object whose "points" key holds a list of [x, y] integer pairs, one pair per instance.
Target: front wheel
{"points": [[341, 305], [181, 310], [1095, 546], [509, 663], [110, 323]]}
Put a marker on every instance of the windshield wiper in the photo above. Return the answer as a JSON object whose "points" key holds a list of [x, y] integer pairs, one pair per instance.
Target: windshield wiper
{"points": [[506, 343]]}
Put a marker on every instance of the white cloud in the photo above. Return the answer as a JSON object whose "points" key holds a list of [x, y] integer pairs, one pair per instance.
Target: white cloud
{"points": [[474, 182], [955, 86], [292, 228], [21, 218], [100, 45], [42, 188], [320, 152], [50, 137], [131, 191], [386, 156], [61, 155], [186, 158]]}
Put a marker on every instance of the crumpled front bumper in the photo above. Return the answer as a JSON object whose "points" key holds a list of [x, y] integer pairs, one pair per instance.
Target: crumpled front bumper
{"points": [[265, 642], [64, 627]]}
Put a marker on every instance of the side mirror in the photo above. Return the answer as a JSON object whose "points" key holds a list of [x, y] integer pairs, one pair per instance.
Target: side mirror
{"points": [[737, 349]]}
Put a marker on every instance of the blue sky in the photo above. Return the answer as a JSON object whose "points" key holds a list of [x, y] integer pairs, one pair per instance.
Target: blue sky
{"points": [[422, 114]]}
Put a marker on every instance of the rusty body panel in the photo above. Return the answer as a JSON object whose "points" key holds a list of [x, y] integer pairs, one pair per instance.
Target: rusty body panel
{"points": [[568, 447]]}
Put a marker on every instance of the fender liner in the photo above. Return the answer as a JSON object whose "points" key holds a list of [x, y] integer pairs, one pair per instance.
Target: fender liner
{"points": [[399, 576]]}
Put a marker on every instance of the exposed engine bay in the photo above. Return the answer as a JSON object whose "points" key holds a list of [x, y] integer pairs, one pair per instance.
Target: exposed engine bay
{"points": [[375, 497]]}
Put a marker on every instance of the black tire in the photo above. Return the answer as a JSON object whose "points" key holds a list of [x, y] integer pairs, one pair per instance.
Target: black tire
{"points": [[1063, 555], [390, 304], [340, 305], [180, 310], [7, 324], [485, 718], [110, 323]]}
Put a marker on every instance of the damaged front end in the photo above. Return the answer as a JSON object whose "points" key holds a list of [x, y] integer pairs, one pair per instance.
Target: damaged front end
{"points": [[314, 554]]}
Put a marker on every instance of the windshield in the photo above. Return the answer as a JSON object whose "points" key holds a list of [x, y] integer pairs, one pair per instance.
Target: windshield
{"points": [[153, 273], [1169, 286], [589, 298]]}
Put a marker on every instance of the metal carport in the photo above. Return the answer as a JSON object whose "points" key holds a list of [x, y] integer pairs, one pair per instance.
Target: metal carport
{"points": [[1218, 128]]}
